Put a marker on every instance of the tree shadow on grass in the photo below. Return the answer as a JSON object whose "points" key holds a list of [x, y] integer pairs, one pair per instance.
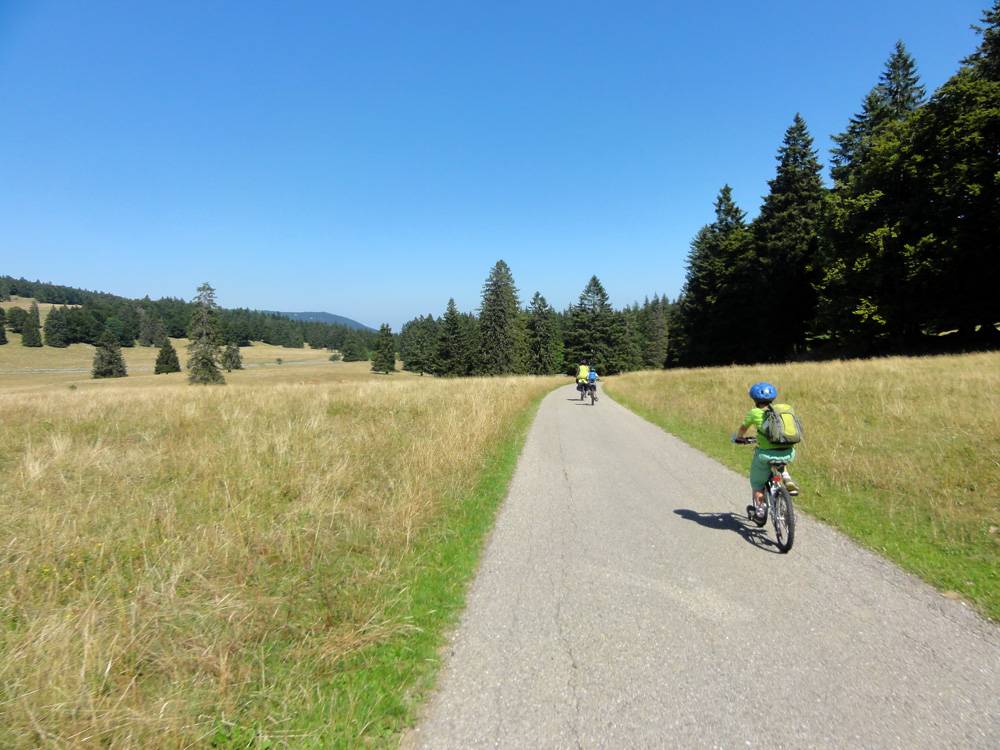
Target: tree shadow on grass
{"points": [[753, 534]]}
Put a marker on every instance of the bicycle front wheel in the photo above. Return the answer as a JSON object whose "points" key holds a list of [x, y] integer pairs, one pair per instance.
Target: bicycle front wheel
{"points": [[783, 518]]}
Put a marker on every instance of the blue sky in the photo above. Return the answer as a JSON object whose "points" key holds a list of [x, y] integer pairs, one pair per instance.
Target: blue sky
{"points": [[372, 159]]}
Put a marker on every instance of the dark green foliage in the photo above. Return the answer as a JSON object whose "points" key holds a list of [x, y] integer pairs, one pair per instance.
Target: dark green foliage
{"points": [[108, 360], [57, 327], [16, 316], [354, 349], [458, 343], [544, 339], [653, 322], [384, 356], [31, 332], [3, 327], [231, 358], [985, 61], [166, 360], [203, 331], [591, 331], [786, 238], [501, 335], [152, 332], [418, 344]]}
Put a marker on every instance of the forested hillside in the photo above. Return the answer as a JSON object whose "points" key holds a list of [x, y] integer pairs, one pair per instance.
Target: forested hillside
{"points": [[83, 316], [902, 249]]}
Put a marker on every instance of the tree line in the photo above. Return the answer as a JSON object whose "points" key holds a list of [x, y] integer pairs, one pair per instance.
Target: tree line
{"points": [[902, 249], [87, 317], [506, 337]]}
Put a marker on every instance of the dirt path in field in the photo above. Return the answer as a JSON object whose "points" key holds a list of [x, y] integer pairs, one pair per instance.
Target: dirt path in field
{"points": [[623, 601]]}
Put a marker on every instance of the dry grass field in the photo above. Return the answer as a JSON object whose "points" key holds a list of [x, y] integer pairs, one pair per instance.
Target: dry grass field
{"points": [[185, 566], [902, 453]]}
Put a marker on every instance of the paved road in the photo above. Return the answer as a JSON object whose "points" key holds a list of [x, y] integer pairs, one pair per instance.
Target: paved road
{"points": [[623, 603]]}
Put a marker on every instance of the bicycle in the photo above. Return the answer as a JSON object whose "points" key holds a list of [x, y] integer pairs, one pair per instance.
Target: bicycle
{"points": [[780, 508]]}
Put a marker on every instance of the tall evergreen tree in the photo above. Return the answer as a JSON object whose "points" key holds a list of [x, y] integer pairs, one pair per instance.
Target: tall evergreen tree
{"points": [[498, 323], [31, 334], [786, 239], [231, 358], [57, 327], [108, 360], [655, 332], [3, 327], [16, 317], [545, 347], [985, 61], [458, 343], [590, 334], [166, 359], [203, 330], [384, 356], [417, 344], [354, 348]]}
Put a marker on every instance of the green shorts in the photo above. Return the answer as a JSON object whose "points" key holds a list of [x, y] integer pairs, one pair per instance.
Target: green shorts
{"points": [[760, 466]]}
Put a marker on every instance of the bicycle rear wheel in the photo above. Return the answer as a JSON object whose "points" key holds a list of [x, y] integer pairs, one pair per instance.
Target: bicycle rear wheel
{"points": [[783, 518], [593, 395]]}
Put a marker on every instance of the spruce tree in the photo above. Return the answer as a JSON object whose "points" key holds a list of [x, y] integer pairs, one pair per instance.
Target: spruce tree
{"points": [[354, 348], [166, 360], [655, 332], [786, 240], [545, 346], [203, 330], [454, 338], [591, 331], [985, 61], [31, 334], [16, 317], [231, 358], [384, 356], [57, 329], [108, 361], [498, 323], [417, 344], [3, 327]]}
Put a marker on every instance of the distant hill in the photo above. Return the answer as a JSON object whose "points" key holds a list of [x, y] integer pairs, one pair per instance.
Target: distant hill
{"points": [[325, 317]]}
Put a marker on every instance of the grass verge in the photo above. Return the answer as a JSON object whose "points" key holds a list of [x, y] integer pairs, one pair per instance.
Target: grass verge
{"points": [[266, 564], [900, 453]]}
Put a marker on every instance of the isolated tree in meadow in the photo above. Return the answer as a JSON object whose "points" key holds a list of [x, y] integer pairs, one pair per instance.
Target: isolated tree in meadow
{"points": [[231, 358], [166, 359], [384, 356], [499, 330], [16, 316], [203, 330], [31, 333], [3, 327], [57, 327], [786, 239], [545, 346], [108, 360]]}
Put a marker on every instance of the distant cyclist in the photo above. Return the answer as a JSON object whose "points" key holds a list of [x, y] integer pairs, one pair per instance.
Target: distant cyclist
{"points": [[763, 394], [592, 381], [582, 375]]}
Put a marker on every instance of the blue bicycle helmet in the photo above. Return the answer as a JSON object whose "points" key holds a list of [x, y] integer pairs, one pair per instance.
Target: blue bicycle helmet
{"points": [[763, 392]]}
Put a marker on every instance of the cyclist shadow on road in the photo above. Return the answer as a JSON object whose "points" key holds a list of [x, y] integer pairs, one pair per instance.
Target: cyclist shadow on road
{"points": [[731, 522]]}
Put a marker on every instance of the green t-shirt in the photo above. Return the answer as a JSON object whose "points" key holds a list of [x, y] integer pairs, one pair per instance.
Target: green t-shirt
{"points": [[755, 419]]}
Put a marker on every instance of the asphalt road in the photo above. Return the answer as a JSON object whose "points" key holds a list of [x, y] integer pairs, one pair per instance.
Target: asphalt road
{"points": [[623, 602]]}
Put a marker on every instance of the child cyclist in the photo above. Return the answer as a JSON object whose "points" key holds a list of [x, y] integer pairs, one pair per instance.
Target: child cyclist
{"points": [[763, 394]]}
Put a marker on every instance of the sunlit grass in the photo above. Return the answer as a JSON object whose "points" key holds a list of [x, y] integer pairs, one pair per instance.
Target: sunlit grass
{"points": [[901, 453], [241, 563]]}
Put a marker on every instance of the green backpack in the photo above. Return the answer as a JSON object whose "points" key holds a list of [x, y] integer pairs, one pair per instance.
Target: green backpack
{"points": [[781, 426]]}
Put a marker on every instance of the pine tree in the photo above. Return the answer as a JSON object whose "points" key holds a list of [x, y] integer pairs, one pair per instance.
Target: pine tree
{"points": [[16, 317], [384, 356], [354, 349], [417, 344], [231, 358], [3, 327], [545, 346], [591, 332], [57, 330], [203, 330], [498, 323], [655, 332], [31, 334], [457, 346], [166, 360], [108, 361], [786, 239], [985, 61]]}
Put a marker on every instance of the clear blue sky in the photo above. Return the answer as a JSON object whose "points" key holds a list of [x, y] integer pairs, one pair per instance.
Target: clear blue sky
{"points": [[374, 158]]}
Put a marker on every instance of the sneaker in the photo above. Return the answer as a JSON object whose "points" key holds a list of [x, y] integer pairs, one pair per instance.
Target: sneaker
{"points": [[761, 512], [793, 489]]}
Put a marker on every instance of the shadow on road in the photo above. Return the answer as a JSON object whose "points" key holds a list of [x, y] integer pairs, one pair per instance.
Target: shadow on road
{"points": [[731, 522]]}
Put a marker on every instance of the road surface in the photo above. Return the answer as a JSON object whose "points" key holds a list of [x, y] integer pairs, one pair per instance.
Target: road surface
{"points": [[623, 602]]}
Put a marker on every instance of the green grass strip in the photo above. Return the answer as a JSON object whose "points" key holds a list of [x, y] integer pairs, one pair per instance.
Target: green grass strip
{"points": [[377, 692]]}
